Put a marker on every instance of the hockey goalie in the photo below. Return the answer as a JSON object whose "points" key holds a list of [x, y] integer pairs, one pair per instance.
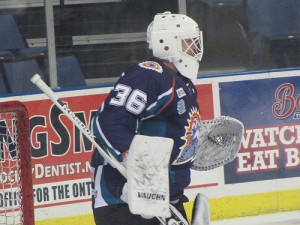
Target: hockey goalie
{"points": [[148, 133], [151, 123]]}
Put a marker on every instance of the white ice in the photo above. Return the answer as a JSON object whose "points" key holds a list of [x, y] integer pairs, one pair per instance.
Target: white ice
{"points": [[283, 218]]}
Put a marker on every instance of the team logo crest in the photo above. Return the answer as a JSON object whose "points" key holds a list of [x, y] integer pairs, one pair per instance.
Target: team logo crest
{"points": [[151, 65], [189, 149]]}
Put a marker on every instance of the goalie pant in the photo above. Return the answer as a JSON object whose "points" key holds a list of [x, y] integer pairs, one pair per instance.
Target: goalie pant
{"points": [[165, 105], [122, 215]]}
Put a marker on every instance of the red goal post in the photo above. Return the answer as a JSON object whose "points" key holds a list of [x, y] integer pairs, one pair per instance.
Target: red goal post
{"points": [[16, 191]]}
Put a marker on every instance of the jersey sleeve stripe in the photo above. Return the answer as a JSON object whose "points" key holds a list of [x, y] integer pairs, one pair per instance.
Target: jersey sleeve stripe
{"points": [[162, 102], [100, 135]]}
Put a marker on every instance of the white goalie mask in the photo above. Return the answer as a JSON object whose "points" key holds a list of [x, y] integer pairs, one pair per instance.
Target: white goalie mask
{"points": [[176, 38]]}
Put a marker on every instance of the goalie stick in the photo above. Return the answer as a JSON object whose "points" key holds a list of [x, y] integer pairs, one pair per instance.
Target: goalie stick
{"points": [[36, 79]]}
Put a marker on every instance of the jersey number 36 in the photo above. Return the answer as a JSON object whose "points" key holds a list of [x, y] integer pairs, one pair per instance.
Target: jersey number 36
{"points": [[134, 100]]}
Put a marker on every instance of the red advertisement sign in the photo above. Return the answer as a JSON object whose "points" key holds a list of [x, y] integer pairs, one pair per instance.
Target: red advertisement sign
{"points": [[59, 151]]}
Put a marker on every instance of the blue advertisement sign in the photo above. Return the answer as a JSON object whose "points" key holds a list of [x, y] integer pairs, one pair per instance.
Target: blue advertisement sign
{"points": [[270, 111]]}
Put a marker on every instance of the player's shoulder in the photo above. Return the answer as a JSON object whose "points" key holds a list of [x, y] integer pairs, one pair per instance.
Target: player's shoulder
{"points": [[151, 67], [148, 71]]}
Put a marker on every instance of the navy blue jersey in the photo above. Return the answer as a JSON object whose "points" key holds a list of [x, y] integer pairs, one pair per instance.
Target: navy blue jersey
{"points": [[148, 99]]}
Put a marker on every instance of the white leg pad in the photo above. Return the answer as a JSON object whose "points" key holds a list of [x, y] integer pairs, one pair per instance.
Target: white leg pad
{"points": [[148, 176], [201, 210]]}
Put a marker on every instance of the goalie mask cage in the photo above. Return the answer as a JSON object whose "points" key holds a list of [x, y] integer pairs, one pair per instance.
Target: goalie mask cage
{"points": [[16, 192]]}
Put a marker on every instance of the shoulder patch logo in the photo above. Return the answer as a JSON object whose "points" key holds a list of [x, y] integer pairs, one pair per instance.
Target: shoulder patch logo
{"points": [[151, 65]]}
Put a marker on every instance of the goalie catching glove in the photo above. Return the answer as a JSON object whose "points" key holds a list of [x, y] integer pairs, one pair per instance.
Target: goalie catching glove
{"points": [[219, 142]]}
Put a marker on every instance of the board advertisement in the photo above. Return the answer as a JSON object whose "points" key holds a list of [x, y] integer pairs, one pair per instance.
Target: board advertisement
{"points": [[270, 111]]}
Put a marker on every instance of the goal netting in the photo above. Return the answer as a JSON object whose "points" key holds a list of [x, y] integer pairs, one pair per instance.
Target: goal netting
{"points": [[16, 193]]}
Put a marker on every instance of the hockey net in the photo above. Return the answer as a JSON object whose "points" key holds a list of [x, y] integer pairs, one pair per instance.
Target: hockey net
{"points": [[16, 193]]}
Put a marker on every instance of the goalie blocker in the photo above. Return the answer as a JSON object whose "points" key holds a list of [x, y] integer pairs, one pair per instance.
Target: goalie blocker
{"points": [[148, 176], [148, 183]]}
